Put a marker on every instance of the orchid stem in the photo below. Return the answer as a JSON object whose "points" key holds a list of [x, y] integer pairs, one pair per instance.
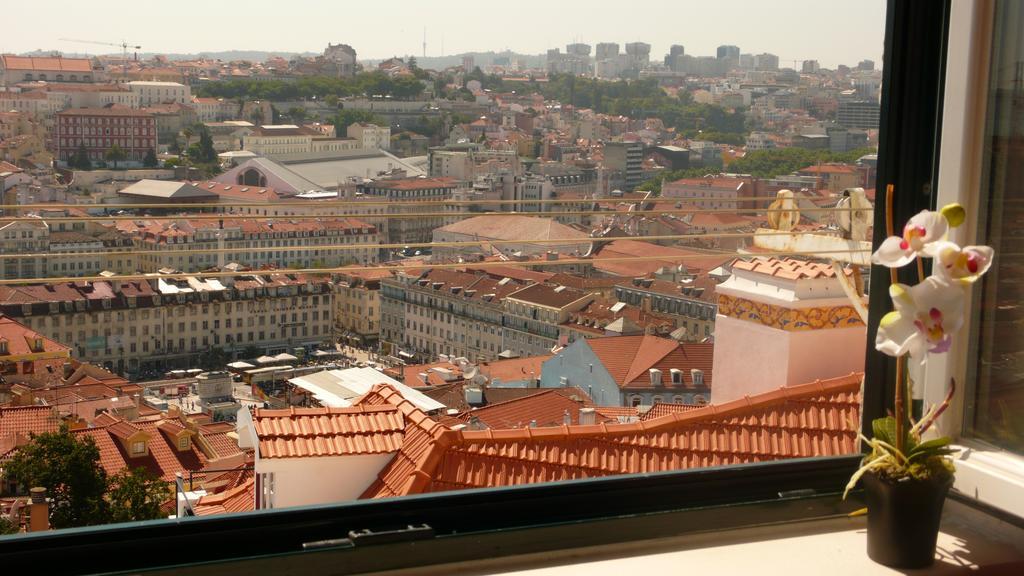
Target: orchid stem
{"points": [[900, 408], [920, 269]]}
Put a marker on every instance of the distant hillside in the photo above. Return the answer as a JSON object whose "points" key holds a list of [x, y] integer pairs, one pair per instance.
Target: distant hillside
{"points": [[481, 59]]}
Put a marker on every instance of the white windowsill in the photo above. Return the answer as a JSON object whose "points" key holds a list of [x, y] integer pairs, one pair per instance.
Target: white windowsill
{"points": [[969, 540], [991, 476]]}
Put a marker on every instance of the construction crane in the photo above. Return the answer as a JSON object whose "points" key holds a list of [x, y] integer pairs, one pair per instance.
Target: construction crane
{"points": [[123, 45]]}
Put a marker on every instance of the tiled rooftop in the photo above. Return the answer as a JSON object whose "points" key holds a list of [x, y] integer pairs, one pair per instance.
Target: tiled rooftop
{"points": [[815, 419], [299, 432], [663, 408], [542, 408], [628, 359], [788, 268]]}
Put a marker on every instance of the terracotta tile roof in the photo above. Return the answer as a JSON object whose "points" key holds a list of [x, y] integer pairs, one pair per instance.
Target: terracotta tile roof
{"points": [[668, 257], [702, 287], [163, 459], [816, 419], [788, 268], [618, 412], [545, 407], [241, 498], [581, 283], [548, 295], [596, 316], [46, 64], [514, 368], [425, 441], [303, 432], [113, 110], [20, 339], [251, 193], [662, 408], [514, 272], [221, 444], [628, 359], [25, 420]]}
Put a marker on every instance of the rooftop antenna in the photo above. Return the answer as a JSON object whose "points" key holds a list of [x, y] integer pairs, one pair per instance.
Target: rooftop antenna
{"points": [[424, 41]]}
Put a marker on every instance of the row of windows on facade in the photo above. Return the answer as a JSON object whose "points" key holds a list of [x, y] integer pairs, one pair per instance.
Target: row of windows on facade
{"points": [[58, 77], [191, 309], [239, 338]]}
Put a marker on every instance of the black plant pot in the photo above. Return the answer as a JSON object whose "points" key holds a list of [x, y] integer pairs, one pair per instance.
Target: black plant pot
{"points": [[903, 520]]}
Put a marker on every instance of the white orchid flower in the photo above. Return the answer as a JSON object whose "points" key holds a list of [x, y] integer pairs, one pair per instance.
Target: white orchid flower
{"points": [[925, 318], [919, 236], [965, 264]]}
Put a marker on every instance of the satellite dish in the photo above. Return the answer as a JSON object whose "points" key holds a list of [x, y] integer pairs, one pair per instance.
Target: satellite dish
{"points": [[470, 373]]}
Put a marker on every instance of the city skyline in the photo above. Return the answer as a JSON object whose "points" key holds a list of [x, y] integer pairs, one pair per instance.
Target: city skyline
{"points": [[520, 31]]}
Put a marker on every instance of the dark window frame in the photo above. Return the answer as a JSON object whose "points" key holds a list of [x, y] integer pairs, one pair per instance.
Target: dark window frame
{"points": [[490, 523]]}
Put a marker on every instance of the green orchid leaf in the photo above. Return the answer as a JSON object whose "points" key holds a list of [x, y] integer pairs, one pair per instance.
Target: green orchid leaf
{"points": [[884, 429]]}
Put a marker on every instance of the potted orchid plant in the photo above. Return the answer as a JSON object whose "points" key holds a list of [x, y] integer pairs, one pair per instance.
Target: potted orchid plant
{"points": [[906, 473]]}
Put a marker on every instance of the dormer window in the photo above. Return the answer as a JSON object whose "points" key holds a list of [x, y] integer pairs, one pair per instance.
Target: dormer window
{"points": [[37, 343], [138, 448], [184, 442], [3, 346]]}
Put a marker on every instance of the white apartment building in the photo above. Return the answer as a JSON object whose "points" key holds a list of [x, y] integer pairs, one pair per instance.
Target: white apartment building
{"points": [[166, 323], [152, 93], [285, 139], [306, 243], [371, 135]]}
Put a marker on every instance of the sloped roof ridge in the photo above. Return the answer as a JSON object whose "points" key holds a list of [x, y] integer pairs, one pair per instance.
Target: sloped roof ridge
{"points": [[509, 401], [729, 409], [648, 343]]}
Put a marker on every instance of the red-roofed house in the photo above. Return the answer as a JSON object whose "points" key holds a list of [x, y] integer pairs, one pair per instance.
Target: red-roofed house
{"points": [[633, 370], [15, 69], [317, 455], [815, 419], [26, 355]]}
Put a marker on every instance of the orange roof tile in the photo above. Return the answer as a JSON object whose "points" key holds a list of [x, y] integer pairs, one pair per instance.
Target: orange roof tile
{"points": [[815, 419], [628, 358], [662, 408], [545, 407], [46, 64], [27, 420], [788, 268], [163, 459], [300, 432], [241, 498]]}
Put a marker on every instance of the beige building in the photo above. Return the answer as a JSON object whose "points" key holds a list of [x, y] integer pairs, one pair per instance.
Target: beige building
{"points": [[285, 139], [162, 323], [16, 69], [444, 312], [370, 135], [151, 93], [306, 243], [532, 317], [357, 317], [514, 234]]}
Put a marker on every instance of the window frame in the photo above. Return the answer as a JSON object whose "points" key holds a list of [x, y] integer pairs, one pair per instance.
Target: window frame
{"points": [[510, 519], [985, 473]]}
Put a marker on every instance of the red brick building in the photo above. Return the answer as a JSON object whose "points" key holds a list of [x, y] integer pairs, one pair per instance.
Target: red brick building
{"points": [[134, 131]]}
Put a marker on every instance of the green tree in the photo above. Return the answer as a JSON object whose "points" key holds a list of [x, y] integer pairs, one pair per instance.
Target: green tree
{"points": [[8, 527], [346, 117], [213, 359], [297, 114], [206, 151], [250, 352], [80, 160], [150, 161], [136, 494], [69, 468], [115, 154]]}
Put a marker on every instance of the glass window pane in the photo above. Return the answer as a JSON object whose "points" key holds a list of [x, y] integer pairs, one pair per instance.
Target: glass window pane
{"points": [[997, 401]]}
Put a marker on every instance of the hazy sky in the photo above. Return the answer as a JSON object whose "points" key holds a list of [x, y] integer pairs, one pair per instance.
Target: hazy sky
{"points": [[830, 31]]}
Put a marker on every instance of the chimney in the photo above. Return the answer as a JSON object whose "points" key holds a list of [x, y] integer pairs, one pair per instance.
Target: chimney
{"points": [[39, 511], [655, 377], [566, 418], [136, 399], [552, 255], [474, 396], [588, 416]]}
